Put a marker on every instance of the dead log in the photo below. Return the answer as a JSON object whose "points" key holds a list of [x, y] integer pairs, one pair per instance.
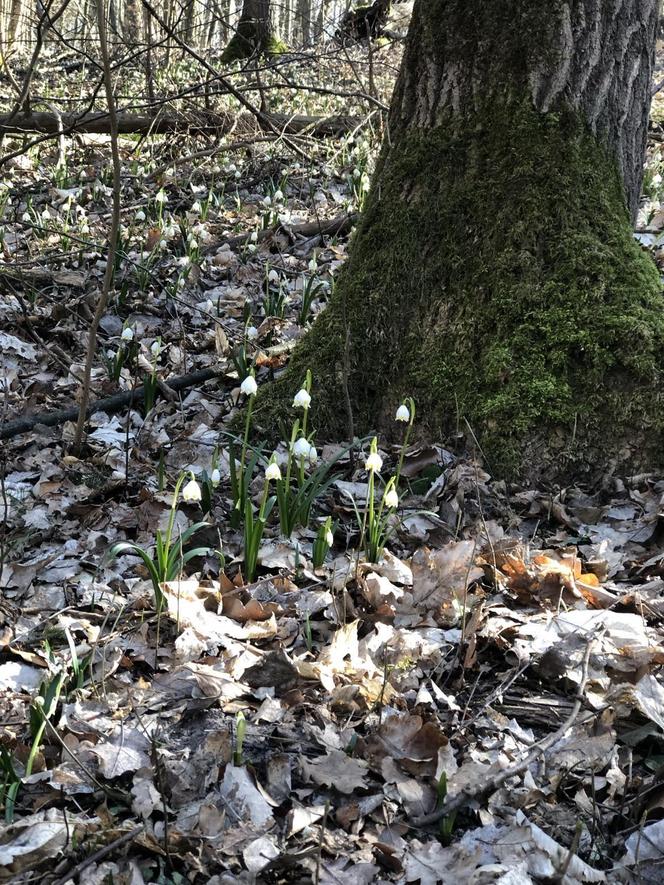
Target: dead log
{"points": [[159, 124]]}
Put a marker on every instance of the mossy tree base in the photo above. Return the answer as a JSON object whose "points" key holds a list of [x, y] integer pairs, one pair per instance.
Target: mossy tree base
{"points": [[252, 37], [495, 278]]}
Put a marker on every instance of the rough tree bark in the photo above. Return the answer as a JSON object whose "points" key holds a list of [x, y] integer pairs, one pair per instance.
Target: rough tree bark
{"points": [[494, 275], [254, 33]]}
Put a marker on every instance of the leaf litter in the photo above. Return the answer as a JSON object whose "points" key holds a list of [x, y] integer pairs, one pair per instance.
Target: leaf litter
{"points": [[484, 704]]}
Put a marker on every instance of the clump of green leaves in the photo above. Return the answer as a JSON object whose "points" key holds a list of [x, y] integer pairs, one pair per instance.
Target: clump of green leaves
{"points": [[167, 560]]}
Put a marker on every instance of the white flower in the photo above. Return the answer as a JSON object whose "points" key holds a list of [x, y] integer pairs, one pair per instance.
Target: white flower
{"points": [[313, 265], [192, 491], [312, 455], [26, 217], [161, 197], [215, 477], [357, 173], [127, 334], [230, 168], [403, 414], [278, 196], [657, 179], [273, 276], [329, 538], [155, 348], [251, 247], [252, 333], [302, 399], [140, 215], [254, 236], [237, 173], [373, 463], [267, 201], [249, 386], [196, 207], [193, 243], [301, 448], [391, 499], [273, 472]]}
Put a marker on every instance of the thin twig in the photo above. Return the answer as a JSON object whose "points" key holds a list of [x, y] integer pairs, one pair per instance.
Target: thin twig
{"points": [[494, 783], [101, 853], [114, 232]]}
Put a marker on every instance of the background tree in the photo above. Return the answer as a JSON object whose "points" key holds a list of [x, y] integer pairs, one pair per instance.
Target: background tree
{"points": [[254, 33], [494, 275]]}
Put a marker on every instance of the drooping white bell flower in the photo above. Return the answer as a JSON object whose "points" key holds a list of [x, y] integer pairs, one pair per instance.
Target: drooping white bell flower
{"points": [[373, 463], [192, 492], [302, 399], [301, 448], [196, 207], [403, 413], [249, 386], [329, 538], [140, 215], [252, 333], [273, 276], [312, 455], [391, 499], [161, 197], [215, 477], [127, 334], [273, 472]]}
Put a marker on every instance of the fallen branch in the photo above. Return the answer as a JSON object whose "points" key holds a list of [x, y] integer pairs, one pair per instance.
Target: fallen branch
{"points": [[99, 123], [338, 226], [108, 404]]}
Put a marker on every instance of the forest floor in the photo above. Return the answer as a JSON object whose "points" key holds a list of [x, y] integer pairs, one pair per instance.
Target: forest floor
{"points": [[483, 704]]}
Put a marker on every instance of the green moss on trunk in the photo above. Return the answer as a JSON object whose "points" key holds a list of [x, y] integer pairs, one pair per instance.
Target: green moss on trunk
{"points": [[252, 37], [495, 278]]}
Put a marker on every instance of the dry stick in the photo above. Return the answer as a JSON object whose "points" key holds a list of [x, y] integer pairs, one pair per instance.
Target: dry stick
{"points": [[115, 227], [107, 404], [540, 747], [101, 853]]}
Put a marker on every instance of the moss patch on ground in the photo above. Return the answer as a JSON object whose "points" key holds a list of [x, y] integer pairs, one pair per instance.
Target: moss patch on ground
{"points": [[494, 278]]}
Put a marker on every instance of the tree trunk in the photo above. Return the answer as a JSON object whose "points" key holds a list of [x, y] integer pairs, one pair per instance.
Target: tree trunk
{"points": [[254, 33], [494, 275]]}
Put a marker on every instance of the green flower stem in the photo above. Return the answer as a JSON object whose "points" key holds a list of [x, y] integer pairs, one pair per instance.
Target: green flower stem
{"points": [[245, 443]]}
